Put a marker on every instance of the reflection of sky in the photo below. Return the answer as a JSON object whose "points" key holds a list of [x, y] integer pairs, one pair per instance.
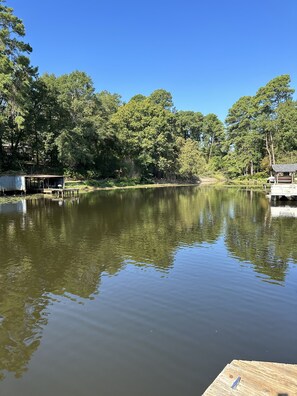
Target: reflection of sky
{"points": [[283, 211]]}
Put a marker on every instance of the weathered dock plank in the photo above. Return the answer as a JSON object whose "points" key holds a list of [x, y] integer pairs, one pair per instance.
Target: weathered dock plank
{"points": [[256, 378]]}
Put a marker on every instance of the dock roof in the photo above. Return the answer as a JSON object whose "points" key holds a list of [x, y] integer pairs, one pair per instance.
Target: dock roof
{"points": [[44, 176], [284, 168]]}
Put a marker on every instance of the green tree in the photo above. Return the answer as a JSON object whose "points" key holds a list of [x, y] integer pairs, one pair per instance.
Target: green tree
{"points": [[163, 98], [50, 115], [40, 125], [242, 135], [138, 98], [107, 156], [286, 125], [268, 99], [146, 140], [191, 162], [189, 124], [16, 75], [213, 137], [232, 165], [78, 143]]}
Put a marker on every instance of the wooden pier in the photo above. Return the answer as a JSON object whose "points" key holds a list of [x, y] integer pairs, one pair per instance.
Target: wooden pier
{"points": [[251, 378], [280, 191], [284, 186], [62, 192]]}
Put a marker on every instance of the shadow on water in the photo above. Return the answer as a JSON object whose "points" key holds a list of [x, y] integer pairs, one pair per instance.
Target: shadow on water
{"points": [[49, 249]]}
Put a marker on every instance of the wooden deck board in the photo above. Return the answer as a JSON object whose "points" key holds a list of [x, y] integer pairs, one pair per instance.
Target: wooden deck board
{"points": [[257, 378]]}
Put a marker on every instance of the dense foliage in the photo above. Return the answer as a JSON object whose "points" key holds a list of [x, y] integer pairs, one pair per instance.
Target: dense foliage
{"points": [[60, 123]]}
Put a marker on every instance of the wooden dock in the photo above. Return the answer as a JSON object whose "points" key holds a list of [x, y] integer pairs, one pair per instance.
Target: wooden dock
{"points": [[251, 378], [280, 191], [62, 192]]}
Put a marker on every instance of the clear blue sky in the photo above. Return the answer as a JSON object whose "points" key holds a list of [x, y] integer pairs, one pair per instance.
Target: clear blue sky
{"points": [[206, 53]]}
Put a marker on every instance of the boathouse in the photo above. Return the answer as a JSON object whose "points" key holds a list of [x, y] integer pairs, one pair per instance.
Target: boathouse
{"points": [[284, 186], [44, 183], [284, 173], [30, 183]]}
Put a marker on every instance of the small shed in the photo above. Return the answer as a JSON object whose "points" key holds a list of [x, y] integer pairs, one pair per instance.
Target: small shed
{"points": [[284, 173], [11, 183]]}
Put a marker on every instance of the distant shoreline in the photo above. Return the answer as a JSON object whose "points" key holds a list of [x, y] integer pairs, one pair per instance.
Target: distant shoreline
{"points": [[86, 186]]}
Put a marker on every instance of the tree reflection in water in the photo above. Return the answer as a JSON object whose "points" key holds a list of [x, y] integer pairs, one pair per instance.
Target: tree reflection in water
{"points": [[51, 249]]}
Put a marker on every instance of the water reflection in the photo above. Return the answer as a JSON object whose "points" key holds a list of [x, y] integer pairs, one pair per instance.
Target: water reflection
{"points": [[253, 234], [57, 248], [281, 209], [14, 207]]}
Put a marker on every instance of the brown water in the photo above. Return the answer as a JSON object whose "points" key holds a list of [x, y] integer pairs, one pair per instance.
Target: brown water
{"points": [[144, 292]]}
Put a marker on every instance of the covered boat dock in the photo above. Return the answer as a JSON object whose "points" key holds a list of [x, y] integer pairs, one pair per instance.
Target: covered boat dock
{"points": [[43, 183], [35, 184], [284, 186]]}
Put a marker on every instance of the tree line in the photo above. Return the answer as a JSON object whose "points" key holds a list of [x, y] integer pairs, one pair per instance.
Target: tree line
{"points": [[60, 123]]}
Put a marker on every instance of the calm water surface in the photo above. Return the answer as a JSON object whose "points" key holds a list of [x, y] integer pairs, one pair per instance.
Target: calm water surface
{"points": [[144, 292]]}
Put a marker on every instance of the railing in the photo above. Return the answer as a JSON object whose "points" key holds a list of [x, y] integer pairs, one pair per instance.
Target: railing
{"points": [[284, 179]]}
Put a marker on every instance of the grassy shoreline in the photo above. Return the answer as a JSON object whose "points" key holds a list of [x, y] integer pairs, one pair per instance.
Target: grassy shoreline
{"points": [[91, 185], [111, 184]]}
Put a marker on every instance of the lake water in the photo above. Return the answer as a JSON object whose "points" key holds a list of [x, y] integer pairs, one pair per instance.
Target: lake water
{"points": [[143, 292]]}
